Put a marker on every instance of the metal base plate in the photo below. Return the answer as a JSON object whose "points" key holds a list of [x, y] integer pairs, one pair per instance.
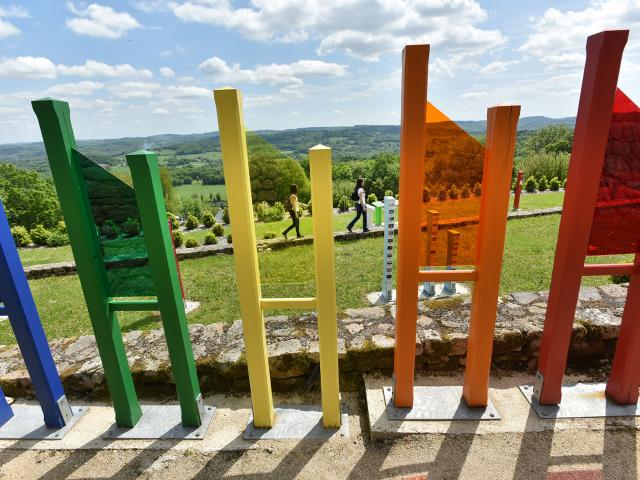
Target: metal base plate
{"points": [[162, 421], [27, 423], [581, 401], [438, 403], [296, 422]]}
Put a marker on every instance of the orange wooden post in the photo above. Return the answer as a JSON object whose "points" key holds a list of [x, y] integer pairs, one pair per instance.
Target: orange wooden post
{"points": [[604, 54], [502, 125], [415, 62], [518, 191], [624, 380]]}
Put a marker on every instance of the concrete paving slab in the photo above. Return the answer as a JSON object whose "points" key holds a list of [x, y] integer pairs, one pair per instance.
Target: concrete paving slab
{"points": [[516, 413]]}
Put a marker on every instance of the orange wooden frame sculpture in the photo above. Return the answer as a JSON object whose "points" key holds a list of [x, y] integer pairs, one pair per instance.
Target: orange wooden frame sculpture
{"points": [[604, 55], [498, 162]]}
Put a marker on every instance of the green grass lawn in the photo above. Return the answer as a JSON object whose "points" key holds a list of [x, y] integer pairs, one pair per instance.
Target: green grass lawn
{"points": [[196, 188], [535, 201], [527, 265]]}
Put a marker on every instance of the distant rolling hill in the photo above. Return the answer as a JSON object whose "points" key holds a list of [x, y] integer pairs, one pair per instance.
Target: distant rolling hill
{"points": [[347, 142]]}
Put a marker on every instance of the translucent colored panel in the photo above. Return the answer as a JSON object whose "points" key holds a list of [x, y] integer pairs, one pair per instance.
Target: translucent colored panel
{"points": [[117, 221], [453, 166], [616, 220]]}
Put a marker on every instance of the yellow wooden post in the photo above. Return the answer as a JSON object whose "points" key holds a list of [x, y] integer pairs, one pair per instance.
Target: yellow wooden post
{"points": [[233, 146], [321, 192]]}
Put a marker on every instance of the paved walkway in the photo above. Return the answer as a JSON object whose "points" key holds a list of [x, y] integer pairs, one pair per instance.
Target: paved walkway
{"points": [[568, 450]]}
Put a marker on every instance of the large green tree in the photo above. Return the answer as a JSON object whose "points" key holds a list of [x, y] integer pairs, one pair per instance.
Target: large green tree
{"points": [[29, 198]]}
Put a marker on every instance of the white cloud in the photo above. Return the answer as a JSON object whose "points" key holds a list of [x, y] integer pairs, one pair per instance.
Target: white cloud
{"points": [[28, 67], [100, 21], [559, 37], [41, 67], [496, 67], [84, 87], [473, 94], [92, 68], [273, 74], [167, 72], [134, 89], [365, 29], [161, 111], [7, 28], [184, 91]]}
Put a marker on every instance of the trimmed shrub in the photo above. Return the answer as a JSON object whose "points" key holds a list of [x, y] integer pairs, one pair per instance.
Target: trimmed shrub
{"points": [[175, 224], [620, 278], [549, 164], [477, 189], [269, 235], [109, 229], [465, 191], [442, 194], [371, 198], [454, 193], [131, 227], [266, 213], [218, 230], [191, 223], [543, 183], [191, 243], [344, 204], [389, 193], [229, 239], [21, 236], [309, 208], [554, 184], [178, 238], [225, 216], [39, 235], [530, 184], [57, 239], [426, 195], [210, 239], [61, 227], [208, 220]]}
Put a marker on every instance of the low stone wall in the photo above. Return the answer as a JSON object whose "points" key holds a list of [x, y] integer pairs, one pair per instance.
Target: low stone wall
{"points": [[366, 343], [223, 248]]}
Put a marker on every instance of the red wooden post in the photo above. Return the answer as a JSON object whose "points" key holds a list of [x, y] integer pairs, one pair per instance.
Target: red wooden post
{"points": [[604, 54], [415, 61], [624, 381], [518, 191]]}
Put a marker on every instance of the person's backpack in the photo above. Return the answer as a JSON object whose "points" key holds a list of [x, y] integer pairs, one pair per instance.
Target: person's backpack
{"points": [[287, 204], [354, 195]]}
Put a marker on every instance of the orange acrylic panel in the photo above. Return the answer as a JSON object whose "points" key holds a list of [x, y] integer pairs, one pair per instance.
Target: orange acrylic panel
{"points": [[616, 220], [453, 164]]}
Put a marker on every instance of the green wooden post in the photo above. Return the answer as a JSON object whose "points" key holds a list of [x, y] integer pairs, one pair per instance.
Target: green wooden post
{"points": [[55, 125], [145, 174]]}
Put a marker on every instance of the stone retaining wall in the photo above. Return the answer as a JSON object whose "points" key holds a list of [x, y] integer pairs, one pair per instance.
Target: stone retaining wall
{"points": [[366, 342], [222, 248]]}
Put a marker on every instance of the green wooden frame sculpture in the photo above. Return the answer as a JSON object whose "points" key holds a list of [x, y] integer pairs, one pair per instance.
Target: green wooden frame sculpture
{"points": [[65, 162]]}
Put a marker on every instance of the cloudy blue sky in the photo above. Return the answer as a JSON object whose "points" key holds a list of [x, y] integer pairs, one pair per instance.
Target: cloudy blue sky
{"points": [[143, 67]]}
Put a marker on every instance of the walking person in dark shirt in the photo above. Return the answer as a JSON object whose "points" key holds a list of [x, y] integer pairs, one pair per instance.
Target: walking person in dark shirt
{"points": [[359, 196]]}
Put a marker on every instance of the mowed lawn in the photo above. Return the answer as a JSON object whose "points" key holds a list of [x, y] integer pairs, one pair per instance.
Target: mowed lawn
{"points": [[198, 189], [527, 265], [38, 256]]}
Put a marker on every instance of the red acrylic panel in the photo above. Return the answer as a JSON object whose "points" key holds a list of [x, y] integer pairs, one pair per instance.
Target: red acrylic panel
{"points": [[616, 220], [453, 165]]}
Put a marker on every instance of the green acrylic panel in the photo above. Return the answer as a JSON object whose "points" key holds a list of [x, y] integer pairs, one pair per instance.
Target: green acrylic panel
{"points": [[117, 222]]}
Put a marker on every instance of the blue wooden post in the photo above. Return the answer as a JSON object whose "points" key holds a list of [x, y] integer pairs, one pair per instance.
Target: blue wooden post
{"points": [[21, 309], [5, 410]]}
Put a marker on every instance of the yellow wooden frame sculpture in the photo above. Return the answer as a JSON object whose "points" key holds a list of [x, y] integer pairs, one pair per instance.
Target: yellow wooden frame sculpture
{"points": [[235, 161]]}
